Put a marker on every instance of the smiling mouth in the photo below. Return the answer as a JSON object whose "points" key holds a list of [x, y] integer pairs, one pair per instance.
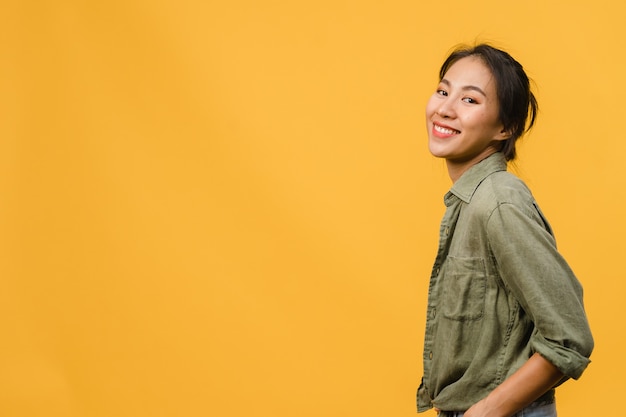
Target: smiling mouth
{"points": [[445, 130]]}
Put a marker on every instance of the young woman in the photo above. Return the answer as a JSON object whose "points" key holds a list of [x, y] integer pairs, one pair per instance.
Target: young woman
{"points": [[505, 321]]}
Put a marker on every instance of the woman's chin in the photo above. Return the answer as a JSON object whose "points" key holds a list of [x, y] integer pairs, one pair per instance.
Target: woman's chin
{"points": [[437, 151]]}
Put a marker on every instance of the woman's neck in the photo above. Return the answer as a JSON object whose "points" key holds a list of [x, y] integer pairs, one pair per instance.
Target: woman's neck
{"points": [[456, 168]]}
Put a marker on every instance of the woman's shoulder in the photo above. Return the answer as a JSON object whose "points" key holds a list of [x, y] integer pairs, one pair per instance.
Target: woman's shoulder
{"points": [[503, 187]]}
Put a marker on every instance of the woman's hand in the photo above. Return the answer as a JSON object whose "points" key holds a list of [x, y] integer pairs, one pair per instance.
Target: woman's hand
{"points": [[482, 409]]}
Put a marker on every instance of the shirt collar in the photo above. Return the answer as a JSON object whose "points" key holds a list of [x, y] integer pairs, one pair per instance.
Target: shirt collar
{"points": [[465, 186]]}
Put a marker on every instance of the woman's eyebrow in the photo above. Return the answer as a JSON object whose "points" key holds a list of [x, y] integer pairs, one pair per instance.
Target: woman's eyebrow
{"points": [[467, 87]]}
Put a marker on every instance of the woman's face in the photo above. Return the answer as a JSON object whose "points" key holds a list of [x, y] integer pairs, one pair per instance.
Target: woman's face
{"points": [[462, 115]]}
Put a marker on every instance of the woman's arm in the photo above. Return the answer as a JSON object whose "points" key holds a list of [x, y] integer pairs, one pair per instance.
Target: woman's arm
{"points": [[544, 285], [527, 384]]}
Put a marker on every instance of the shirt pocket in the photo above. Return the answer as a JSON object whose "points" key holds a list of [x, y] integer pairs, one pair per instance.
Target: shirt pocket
{"points": [[464, 288]]}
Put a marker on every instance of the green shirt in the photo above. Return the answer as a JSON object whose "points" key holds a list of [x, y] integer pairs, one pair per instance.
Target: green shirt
{"points": [[499, 292]]}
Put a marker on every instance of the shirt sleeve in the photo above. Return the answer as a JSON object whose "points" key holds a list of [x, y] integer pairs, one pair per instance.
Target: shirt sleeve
{"points": [[544, 285]]}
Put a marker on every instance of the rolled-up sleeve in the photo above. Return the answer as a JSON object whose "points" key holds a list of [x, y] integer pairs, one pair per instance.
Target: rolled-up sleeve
{"points": [[540, 279]]}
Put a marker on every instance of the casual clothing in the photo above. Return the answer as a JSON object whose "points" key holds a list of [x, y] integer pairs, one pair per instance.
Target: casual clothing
{"points": [[499, 292]]}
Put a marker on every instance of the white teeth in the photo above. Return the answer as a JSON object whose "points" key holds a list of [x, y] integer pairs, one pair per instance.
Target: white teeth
{"points": [[445, 131]]}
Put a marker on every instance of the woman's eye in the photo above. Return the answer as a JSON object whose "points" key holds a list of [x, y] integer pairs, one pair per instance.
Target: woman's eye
{"points": [[469, 100], [442, 92]]}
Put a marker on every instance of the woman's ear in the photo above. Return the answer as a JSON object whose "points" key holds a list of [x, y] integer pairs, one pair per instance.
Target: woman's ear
{"points": [[504, 134]]}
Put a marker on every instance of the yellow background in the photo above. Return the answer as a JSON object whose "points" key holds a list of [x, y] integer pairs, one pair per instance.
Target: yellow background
{"points": [[227, 208]]}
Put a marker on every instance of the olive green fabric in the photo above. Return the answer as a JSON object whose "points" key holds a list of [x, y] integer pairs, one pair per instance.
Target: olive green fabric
{"points": [[499, 292]]}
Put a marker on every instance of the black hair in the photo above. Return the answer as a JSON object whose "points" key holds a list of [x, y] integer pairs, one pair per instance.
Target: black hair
{"points": [[518, 105]]}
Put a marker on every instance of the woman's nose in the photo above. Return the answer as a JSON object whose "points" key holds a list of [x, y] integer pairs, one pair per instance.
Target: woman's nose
{"points": [[445, 109]]}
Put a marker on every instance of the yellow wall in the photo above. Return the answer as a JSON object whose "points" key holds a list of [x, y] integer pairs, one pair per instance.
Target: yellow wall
{"points": [[229, 209]]}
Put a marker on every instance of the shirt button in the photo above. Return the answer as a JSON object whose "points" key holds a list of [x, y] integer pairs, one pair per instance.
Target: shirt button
{"points": [[430, 355], [434, 312], [447, 231]]}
